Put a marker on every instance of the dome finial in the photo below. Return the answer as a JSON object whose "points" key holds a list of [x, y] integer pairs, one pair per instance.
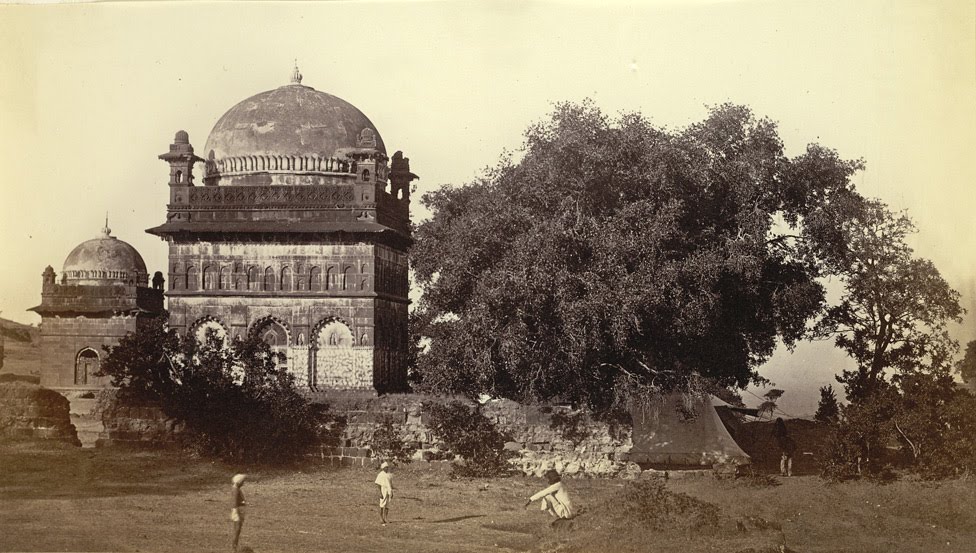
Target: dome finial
{"points": [[106, 232], [296, 77]]}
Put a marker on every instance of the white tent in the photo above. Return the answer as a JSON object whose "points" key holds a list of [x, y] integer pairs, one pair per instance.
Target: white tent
{"points": [[683, 430]]}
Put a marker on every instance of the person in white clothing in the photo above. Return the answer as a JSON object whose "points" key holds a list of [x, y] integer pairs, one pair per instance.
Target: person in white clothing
{"points": [[385, 482], [555, 498]]}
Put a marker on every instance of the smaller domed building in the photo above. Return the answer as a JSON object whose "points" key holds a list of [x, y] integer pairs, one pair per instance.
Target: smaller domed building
{"points": [[104, 293]]}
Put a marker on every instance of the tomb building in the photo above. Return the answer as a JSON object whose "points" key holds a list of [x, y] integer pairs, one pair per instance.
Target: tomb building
{"points": [[103, 294], [298, 234]]}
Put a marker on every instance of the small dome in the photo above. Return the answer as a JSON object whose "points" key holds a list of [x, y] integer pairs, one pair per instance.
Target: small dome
{"points": [[181, 138], [292, 120], [104, 261]]}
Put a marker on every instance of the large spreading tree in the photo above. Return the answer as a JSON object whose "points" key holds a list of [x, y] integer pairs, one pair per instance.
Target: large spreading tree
{"points": [[616, 257]]}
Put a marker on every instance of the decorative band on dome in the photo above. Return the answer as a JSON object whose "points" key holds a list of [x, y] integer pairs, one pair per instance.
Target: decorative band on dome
{"points": [[268, 163]]}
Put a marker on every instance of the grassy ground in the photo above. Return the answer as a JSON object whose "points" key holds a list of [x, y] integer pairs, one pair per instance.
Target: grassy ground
{"points": [[68, 499]]}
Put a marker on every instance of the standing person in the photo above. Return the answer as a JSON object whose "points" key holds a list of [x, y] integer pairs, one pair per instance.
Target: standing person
{"points": [[385, 481], [237, 506], [787, 447], [555, 499]]}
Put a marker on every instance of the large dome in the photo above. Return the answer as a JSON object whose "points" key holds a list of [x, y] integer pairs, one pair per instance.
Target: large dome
{"points": [[105, 260], [292, 120]]}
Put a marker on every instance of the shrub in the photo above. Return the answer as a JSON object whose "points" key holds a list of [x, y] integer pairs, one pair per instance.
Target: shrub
{"points": [[387, 443], [234, 400], [928, 416], [650, 503], [469, 434]]}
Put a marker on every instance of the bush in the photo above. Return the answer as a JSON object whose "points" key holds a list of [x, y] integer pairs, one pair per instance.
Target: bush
{"points": [[927, 420], [650, 504], [387, 443], [235, 402], [469, 434]]}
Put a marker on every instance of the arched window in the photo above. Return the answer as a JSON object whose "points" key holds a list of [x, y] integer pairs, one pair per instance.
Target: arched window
{"points": [[179, 176], [209, 278], [334, 334], [176, 278], [285, 283], [192, 278], [224, 282], [253, 279], [269, 279], [206, 327], [328, 278], [344, 280], [315, 279], [365, 175], [301, 283], [86, 365], [275, 335]]}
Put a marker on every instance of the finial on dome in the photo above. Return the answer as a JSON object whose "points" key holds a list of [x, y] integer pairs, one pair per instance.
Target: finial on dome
{"points": [[106, 232], [296, 77]]}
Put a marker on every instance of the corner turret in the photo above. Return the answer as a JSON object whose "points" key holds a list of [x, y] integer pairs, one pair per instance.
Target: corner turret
{"points": [[181, 159]]}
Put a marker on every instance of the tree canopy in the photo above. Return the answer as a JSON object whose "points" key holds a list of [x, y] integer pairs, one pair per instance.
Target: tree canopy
{"points": [[616, 255], [895, 309], [967, 366]]}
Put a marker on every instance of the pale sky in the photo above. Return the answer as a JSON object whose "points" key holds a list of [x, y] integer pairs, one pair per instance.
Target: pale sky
{"points": [[91, 94]]}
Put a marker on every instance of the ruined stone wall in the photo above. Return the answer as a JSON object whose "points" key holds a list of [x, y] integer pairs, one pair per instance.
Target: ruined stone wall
{"points": [[137, 426], [30, 412], [593, 450], [62, 339], [596, 450]]}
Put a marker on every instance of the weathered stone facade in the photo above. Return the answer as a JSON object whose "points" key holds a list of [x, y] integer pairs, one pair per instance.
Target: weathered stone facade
{"points": [[298, 235], [103, 295]]}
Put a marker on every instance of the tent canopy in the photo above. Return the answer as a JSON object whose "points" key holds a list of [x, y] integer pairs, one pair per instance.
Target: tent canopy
{"points": [[679, 429]]}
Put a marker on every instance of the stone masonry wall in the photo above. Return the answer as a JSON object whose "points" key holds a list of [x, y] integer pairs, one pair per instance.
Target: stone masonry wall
{"points": [[30, 412], [595, 451], [145, 426]]}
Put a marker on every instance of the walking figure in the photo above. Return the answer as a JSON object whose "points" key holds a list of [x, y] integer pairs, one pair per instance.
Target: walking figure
{"points": [[385, 481], [237, 506]]}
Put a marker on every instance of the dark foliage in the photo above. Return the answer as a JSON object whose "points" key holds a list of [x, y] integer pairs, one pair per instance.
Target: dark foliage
{"points": [[468, 433], [616, 256], [967, 366], [235, 402], [387, 443], [922, 424], [828, 410], [571, 426]]}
